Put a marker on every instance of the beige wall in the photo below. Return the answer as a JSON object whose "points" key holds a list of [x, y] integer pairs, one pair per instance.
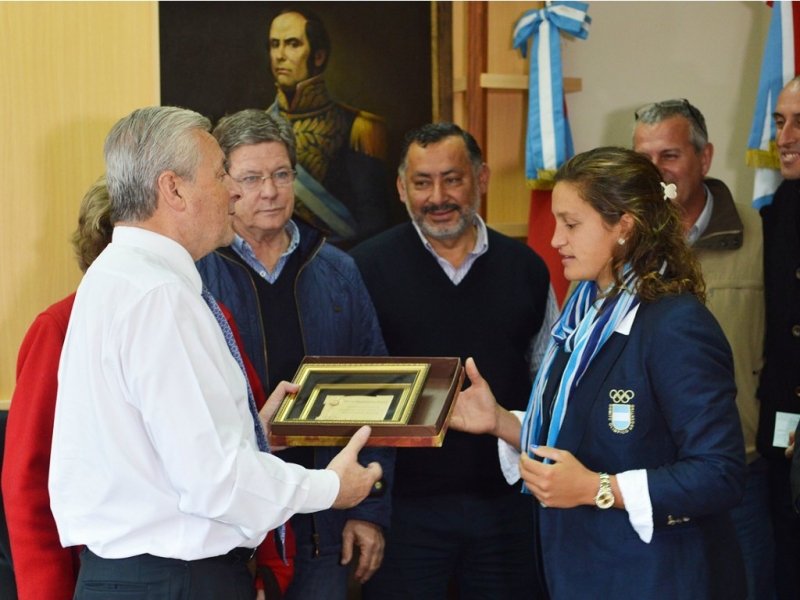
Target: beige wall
{"points": [[636, 52], [640, 52], [68, 71]]}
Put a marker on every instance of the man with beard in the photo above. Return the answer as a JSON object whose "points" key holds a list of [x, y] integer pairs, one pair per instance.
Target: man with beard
{"points": [[444, 284]]}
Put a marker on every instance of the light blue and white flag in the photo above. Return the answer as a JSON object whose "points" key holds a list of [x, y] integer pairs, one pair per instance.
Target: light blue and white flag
{"points": [[549, 140]]}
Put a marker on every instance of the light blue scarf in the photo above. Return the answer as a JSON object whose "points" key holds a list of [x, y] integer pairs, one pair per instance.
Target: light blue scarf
{"points": [[583, 328]]}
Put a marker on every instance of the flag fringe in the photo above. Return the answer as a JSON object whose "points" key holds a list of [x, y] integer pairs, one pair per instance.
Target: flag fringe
{"points": [[543, 181], [763, 159]]}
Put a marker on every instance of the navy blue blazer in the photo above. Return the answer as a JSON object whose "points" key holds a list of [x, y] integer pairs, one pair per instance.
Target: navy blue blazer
{"points": [[675, 369]]}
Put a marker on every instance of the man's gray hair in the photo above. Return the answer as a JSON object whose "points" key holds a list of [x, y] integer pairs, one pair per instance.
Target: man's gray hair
{"points": [[253, 126], [661, 111], [142, 146]]}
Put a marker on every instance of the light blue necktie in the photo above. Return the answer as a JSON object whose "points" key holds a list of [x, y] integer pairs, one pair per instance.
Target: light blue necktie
{"points": [[261, 437]]}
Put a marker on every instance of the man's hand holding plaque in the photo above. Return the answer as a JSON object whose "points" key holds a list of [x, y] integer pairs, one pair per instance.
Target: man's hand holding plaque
{"points": [[355, 481]]}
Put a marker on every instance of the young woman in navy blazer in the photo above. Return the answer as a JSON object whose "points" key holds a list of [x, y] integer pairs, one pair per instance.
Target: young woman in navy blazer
{"points": [[631, 443]]}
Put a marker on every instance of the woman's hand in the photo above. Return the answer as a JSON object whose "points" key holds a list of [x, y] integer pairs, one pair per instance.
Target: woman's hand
{"points": [[564, 483], [476, 408]]}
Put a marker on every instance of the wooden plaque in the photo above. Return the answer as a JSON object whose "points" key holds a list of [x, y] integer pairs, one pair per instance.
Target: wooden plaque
{"points": [[406, 400]]}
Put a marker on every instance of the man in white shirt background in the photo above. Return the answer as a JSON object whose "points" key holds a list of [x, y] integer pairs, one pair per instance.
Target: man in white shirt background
{"points": [[156, 467]]}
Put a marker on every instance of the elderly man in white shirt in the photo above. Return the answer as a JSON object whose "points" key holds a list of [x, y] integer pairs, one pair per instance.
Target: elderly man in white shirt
{"points": [[156, 466]]}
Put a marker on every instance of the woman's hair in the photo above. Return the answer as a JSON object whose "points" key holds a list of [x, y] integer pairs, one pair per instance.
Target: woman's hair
{"points": [[94, 224], [616, 181]]}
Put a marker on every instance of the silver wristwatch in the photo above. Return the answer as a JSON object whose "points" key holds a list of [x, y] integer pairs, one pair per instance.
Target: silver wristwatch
{"points": [[605, 497]]}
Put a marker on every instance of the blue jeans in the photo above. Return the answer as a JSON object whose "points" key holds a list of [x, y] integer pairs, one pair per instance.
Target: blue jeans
{"points": [[754, 530], [486, 545], [318, 577]]}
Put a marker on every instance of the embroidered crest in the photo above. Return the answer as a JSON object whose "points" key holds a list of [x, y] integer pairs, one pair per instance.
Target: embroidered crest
{"points": [[621, 412]]}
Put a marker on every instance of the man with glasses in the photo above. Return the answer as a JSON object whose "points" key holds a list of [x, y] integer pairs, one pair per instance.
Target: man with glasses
{"points": [[292, 294], [159, 463], [728, 241]]}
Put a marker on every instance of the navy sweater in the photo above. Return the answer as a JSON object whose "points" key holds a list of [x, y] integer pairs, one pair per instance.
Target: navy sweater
{"points": [[492, 315]]}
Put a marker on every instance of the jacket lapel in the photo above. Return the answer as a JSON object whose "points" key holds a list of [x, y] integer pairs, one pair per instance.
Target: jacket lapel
{"points": [[585, 395]]}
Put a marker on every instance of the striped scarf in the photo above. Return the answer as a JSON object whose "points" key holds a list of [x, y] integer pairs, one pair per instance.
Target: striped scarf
{"points": [[583, 328]]}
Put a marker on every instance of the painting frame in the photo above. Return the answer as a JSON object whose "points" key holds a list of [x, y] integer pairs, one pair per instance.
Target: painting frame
{"points": [[214, 59]]}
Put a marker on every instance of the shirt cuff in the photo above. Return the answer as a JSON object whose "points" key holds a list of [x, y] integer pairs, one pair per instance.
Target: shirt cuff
{"points": [[323, 488], [636, 496], [509, 455]]}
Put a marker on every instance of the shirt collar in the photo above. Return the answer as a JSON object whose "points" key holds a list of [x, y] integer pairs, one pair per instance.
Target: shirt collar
{"points": [[697, 230], [481, 243], [172, 252], [245, 251]]}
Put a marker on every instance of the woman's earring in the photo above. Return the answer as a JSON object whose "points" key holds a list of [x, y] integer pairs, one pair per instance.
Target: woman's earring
{"points": [[621, 241]]}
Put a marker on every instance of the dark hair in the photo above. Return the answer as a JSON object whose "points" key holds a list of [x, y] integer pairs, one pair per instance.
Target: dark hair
{"points": [[617, 181], [254, 126], [317, 35], [436, 132]]}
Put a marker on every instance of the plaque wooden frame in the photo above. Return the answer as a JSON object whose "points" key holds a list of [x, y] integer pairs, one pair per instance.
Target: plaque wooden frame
{"points": [[425, 391]]}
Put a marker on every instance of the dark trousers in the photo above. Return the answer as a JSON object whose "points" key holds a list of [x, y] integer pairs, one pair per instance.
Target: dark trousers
{"points": [[786, 527], [485, 545], [147, 577]]}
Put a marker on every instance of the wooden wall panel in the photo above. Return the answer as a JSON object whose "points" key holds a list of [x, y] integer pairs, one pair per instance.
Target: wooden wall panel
{"points": [[508, 199], [68, 72]]}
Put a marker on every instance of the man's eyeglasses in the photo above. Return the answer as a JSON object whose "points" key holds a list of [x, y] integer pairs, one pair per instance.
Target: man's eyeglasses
{"points": [[279, 179], [685, 107]]}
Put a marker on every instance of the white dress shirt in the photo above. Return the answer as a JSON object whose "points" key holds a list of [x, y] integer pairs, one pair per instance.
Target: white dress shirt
{"points": [[154, 448]]}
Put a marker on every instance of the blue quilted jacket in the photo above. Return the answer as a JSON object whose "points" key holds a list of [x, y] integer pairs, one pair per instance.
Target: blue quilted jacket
{"points": [[337, 318]]}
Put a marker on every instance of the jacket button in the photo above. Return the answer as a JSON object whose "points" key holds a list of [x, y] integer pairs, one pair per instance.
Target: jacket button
{"points": [[796, 331]]}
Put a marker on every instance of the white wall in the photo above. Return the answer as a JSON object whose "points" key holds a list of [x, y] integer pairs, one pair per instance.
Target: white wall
{"points": [[640, 52]]}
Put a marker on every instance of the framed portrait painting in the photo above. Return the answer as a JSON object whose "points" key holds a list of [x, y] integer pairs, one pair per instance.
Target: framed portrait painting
{"points": [[388, 63]]}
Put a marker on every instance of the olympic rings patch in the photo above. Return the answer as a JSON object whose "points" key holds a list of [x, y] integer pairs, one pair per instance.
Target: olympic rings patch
{"points": [[621, 412]]}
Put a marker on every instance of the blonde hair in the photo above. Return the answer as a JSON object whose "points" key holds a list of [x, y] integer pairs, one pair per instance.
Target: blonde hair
{"points": [[94, 224]]}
